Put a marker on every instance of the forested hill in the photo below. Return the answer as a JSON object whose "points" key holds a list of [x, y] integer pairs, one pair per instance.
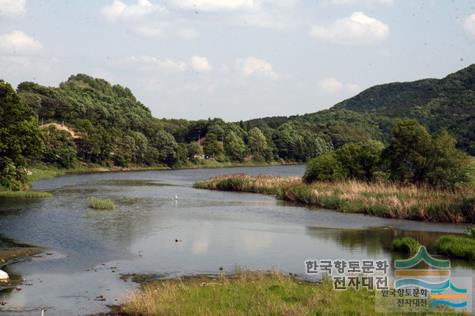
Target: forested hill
{"points": [[447, 103], [437, 103], [457, 91], [89, 121]]}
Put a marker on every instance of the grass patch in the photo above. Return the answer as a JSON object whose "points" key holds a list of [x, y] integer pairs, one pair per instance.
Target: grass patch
{"points": [[101, 204], [380, 199], [25, 194], [41, 173], [462, 247], [247, 293], [406, 245]]}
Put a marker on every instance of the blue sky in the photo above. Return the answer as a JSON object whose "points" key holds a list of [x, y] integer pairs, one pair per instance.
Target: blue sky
{"points": [[236, 59]]}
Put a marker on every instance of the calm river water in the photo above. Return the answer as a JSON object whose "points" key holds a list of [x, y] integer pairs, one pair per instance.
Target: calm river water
{"points": [[87, 250]]}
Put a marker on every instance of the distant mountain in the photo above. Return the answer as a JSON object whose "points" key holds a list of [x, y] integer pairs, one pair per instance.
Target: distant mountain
{"points": [[438, 103]]}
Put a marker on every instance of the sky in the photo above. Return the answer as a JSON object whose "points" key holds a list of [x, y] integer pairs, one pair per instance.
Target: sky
{"points": [[236, 59]]}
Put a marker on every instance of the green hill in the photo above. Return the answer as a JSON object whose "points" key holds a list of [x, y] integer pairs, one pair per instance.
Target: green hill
{"points": [[89, 120], [437, 103]]}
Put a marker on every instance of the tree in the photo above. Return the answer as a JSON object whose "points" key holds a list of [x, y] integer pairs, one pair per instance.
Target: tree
{"points": [[448, 166], [361, 161], [59, 148], [325, 167], [408, 152], [195, 151], [166, 146], [258, 146], [19, 138], [213, 143], [234, 146]]}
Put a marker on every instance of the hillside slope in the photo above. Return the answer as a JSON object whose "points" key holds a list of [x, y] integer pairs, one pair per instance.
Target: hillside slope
{"points": [[438, 103]]}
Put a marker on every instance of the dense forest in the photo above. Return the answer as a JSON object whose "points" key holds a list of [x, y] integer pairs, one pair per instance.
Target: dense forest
{"points": [[89, 121]]}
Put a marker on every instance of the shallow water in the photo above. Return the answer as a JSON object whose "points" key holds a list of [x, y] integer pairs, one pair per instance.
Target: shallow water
{"points": [[88, 250]]}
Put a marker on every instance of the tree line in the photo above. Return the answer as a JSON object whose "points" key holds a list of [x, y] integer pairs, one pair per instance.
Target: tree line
{"points": [[91, 122], [412, 156]]}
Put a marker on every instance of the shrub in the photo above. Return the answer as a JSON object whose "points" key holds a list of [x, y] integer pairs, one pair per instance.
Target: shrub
{"points": [[325, 167], [406, 245]]}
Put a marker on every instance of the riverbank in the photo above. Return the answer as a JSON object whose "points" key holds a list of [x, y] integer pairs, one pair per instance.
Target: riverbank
{"points": [[249, 293], [379, 199], [245, 293], [46, 172], [12, 251]]}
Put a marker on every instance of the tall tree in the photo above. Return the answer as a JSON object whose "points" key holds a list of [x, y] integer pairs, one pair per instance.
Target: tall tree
{"points": [[258, 146], [19, 137], [408, 151], [234, 146]]}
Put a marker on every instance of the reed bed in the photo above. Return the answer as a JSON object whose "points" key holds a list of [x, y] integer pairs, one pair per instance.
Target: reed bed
{"points": [[380, 198]]}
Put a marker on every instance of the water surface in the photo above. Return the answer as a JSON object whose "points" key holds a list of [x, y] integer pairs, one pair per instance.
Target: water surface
{"points": [[151, 232]]}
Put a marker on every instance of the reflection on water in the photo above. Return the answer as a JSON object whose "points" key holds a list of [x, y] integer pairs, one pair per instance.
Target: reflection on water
{"points": [[151, 232]]}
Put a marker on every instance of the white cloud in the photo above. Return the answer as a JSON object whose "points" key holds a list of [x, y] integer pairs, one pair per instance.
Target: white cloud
{"points": [[334, 86], [469, 24], [217, 5], [164, 30], [149, 31], [120, 10], [12, 8], [17, 42], [187, 33], [252, 66], [357, 2], [356, 29], [200, 64], [150, 63]]}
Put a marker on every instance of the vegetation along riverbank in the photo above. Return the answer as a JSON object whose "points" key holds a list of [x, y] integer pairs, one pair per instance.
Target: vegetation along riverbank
{"points": [[87, 122], [352, 196], [247, 293], [415, 176], [11, 250], [453, 246]]}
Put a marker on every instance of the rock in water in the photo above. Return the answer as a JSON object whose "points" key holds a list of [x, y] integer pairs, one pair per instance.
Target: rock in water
{"points": [[3, 275]]}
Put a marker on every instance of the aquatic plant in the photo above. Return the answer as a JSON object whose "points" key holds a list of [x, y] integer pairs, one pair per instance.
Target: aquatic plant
{"points": [[101, 204], [406, 245], [25, 194], [456, 246]]}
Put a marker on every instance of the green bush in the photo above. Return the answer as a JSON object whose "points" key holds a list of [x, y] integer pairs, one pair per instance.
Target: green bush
{"points": [[406, 245], [325, 167]]}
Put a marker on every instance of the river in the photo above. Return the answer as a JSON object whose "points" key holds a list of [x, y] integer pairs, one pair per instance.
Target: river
{"points": [[201, 232]]}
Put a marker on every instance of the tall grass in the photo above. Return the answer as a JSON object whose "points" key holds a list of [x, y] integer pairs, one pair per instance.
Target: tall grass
{"points": [[380, 199], [101, 204]]}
